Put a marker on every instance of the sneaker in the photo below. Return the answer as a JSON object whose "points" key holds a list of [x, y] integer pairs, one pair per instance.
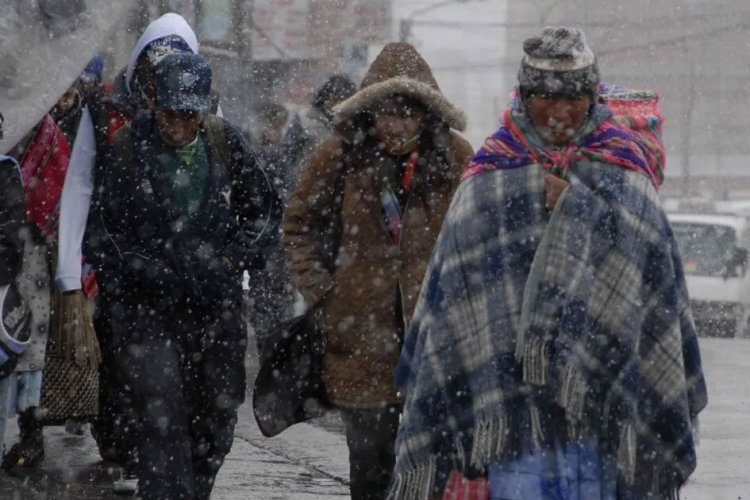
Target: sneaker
{"points": [[127, 484]]}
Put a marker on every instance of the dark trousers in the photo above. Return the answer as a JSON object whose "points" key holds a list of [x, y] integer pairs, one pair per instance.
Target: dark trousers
{"points": [[371, 438], [187, 375], [116, 427]]}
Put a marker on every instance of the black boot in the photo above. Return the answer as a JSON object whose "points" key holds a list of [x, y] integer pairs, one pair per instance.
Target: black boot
{"points": [[29, 451]]}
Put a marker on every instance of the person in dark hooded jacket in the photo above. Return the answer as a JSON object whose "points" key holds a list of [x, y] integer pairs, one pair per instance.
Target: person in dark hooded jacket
{"points": [[107, 109], [310, 128], [185, 209]]}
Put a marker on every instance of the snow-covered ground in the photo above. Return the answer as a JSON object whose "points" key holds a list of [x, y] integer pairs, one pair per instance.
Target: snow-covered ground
{"points": [[724, 450], [310, 462]]}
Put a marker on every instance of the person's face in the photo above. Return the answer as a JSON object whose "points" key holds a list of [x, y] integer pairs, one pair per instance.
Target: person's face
{"points": [[178, 129], [396, 122], [557, 118]]}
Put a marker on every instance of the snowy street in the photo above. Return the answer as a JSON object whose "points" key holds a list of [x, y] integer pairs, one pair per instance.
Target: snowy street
{"points": [[306, 462], [309, 462], [723, 466]]}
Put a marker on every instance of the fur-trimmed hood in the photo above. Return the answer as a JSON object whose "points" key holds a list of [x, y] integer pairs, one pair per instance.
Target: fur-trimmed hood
{"points": [[400, 69]]}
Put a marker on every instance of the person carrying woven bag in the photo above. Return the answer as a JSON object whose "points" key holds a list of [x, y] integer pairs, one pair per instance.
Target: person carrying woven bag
{"points": [[15, 315], [57, 376]]}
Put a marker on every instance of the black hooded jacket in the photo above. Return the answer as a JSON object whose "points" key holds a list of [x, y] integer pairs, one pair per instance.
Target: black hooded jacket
{"points": [[147, 254], [12, 222]]}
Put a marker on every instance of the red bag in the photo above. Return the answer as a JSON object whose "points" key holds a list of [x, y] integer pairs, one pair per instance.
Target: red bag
{"points": [[43, 168], [460, 488]]}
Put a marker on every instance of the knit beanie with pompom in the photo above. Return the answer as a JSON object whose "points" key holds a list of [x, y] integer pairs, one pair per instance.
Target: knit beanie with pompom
{"points": [[558, 62]]}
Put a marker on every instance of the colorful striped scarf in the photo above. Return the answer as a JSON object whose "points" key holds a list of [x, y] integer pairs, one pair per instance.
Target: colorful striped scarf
{"points": [[392, 210], [624, 130]]}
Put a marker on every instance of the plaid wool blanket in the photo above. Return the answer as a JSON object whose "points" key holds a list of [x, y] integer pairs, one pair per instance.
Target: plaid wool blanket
{"points": [[564, 327]]}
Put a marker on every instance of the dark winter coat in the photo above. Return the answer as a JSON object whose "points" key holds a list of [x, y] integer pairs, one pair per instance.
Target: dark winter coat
{"points": [[305, 134], [153, 257], [370, 292], [12, 221]]}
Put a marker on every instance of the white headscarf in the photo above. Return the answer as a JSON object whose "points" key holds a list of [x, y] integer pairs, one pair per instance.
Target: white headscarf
{"points": [[167, 25]]}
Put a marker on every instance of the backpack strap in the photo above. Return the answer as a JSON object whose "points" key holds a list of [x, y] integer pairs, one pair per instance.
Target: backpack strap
{"points": [[122, 149], [217, 138]]}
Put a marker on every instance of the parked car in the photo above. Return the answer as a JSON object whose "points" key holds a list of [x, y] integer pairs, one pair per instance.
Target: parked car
{"points": [[714, 251]]}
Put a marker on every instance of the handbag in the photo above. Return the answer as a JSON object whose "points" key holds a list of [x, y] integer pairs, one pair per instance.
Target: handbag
{"points": [[289, 387]]}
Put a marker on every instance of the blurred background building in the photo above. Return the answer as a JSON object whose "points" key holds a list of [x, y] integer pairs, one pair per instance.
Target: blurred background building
{"points": [[694, 53], [264, 51]]}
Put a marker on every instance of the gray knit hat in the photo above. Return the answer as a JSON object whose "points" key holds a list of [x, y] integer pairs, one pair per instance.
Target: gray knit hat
{"points": [[558, 62]]}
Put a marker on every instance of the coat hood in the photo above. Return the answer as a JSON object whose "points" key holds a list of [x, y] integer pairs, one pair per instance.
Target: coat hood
{"points": [[4, 158], [400, 69], [166, 25]]}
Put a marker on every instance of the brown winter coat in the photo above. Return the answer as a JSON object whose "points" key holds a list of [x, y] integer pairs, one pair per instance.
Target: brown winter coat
{"points": [[360, 314]]}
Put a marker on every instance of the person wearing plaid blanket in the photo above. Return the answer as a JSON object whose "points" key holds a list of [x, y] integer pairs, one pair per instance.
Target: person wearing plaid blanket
{"points": [[552, 351]]}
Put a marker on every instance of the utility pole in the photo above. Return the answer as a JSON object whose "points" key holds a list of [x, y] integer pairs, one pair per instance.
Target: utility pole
{"points": [[686, 131], [244, 29], [406, 24], [404, 31]]}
